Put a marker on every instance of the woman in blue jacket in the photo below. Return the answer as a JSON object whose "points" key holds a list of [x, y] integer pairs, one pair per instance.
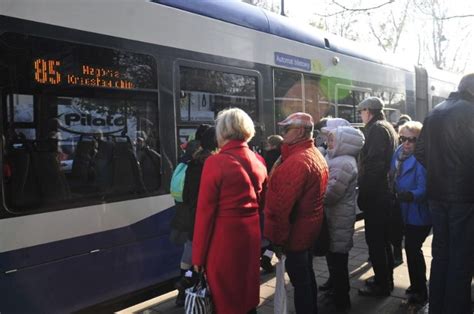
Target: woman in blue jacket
{"points": [[409, 184]]}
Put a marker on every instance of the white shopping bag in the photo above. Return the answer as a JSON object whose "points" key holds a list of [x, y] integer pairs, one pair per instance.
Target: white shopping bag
{"points": [[280, 289]]}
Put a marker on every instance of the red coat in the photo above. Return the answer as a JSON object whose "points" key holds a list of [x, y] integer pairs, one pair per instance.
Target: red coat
{"points": [[227, 231], [297, 187]]}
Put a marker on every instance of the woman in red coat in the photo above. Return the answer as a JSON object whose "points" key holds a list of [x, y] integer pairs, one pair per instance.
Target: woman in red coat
{"points": [[226, 242]]}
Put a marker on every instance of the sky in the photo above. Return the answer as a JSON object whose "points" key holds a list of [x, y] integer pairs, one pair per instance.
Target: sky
{"points": [[302, 11]]}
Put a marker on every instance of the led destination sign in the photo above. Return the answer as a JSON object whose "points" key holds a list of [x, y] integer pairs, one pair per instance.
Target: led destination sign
{"points": [[48, 63], [51, 72]]}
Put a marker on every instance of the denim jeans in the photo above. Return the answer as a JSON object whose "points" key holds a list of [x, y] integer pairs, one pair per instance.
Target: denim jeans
{"points": [[453, 256], [299, 266]]}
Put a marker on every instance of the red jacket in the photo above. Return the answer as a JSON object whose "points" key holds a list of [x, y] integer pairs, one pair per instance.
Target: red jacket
{"points": [[294, 198], [227, 229]]}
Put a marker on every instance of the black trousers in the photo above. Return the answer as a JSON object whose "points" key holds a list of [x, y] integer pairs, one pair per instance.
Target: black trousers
{"points": [[396, 225], [414, 238], [339, 276], [377, 236]]}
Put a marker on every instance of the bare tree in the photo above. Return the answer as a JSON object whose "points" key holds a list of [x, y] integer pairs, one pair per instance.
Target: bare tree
{"points": [[388, 33], [266, 4], [445, 51]]}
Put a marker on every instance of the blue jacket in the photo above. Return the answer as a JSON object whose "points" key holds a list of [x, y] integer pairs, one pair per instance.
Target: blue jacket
{"points": [[412, 178]]}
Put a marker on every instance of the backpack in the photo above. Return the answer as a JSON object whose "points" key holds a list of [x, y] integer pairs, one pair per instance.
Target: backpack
{"points": [[177, 182]]}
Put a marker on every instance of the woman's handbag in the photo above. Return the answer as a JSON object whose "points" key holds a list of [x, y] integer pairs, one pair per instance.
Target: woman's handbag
{"points": [[280, 300], [198, 298]]}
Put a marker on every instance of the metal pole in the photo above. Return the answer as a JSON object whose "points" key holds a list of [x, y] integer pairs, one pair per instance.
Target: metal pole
{"points": [[282, 8]]}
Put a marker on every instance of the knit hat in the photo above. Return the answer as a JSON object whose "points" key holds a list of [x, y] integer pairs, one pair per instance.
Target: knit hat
{"points": [[200, 131], [208, 139]]}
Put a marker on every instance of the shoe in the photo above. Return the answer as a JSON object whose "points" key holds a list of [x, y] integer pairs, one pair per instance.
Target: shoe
{"points": [[343, 308], [419, 298], [397, 256], [374, 291], [180, 298], [371, 282], [266, 265], [409, 290], [326, 286]]}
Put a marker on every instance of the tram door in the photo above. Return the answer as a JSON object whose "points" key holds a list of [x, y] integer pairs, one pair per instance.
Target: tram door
{"points": [[204, 91]]}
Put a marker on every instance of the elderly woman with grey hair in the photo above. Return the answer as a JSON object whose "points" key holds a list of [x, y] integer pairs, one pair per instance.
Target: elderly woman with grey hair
{"points": [[226, 243]]}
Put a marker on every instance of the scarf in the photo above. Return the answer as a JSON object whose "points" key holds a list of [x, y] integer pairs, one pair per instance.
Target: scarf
{"points": [[401, 157]]}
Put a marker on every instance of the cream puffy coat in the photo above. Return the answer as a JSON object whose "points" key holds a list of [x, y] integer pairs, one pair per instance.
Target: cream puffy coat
{"points": [[341, 194]]}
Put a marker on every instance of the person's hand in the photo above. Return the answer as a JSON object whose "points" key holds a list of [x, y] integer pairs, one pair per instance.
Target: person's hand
{"points": [[405, 196], [278, 249], [198, 269]]}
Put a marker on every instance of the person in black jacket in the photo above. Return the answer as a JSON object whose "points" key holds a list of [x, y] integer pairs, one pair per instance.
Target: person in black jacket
{"points": [[272, 151], [445, 148], [208, 145], [374, 197]]}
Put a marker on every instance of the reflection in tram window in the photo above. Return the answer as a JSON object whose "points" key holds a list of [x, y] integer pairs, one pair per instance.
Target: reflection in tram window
{"points": [[298, 92], [206, 92], [81, 125]]}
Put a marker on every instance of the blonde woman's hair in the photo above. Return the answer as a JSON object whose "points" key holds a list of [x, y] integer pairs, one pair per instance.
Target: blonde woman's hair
{"points": [[234, 124], [411, 126]]}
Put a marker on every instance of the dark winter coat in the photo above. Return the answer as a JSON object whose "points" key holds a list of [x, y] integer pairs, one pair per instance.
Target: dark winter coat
{"points": [[271, 157], [191, 189], [445, 148], [374, 165]]}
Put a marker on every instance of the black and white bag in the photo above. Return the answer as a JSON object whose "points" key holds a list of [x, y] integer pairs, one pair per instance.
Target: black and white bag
{"points": [[198, 298]]}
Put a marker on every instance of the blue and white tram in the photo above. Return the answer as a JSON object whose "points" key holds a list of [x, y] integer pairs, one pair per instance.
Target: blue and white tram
{"points": [[95, 99]]}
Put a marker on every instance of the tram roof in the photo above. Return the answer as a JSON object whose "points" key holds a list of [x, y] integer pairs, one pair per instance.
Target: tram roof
{"points": [[249, 16]]}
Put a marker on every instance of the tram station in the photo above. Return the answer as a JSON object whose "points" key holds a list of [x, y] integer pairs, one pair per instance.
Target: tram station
{"points": [[159, 156]]}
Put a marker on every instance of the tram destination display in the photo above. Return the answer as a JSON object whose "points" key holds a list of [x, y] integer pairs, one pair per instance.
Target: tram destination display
{"points": [[49, 63]]}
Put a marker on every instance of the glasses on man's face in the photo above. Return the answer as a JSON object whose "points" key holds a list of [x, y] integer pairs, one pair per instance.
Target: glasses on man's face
{"points": [[403, 139]]}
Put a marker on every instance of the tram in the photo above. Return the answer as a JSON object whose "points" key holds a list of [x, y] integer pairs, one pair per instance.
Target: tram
{"points": [[95, 99]]}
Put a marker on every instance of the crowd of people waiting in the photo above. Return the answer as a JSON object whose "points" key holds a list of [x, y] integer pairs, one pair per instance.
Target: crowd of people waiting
{"points": [[238, 208]]}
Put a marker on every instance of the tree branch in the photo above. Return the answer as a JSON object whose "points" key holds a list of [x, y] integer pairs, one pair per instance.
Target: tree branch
{"points": [[345, 9], [454, 17]]}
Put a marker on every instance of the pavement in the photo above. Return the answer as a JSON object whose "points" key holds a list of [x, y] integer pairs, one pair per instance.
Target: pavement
{"points": [[359, 270]]}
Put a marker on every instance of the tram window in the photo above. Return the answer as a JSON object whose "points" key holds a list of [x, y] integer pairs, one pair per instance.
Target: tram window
{"points": [[435, 100], [288, 93], [206, 92], [395, 104], [347, 100], [80, 130], [20, 107], [298, 92]]}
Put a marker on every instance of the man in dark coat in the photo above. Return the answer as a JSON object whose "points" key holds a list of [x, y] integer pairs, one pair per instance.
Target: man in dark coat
{"points": [[446, 148], [374, 196]]}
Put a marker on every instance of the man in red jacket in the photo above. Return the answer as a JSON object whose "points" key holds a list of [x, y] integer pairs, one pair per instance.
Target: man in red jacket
{"points": [[294, 206]]}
